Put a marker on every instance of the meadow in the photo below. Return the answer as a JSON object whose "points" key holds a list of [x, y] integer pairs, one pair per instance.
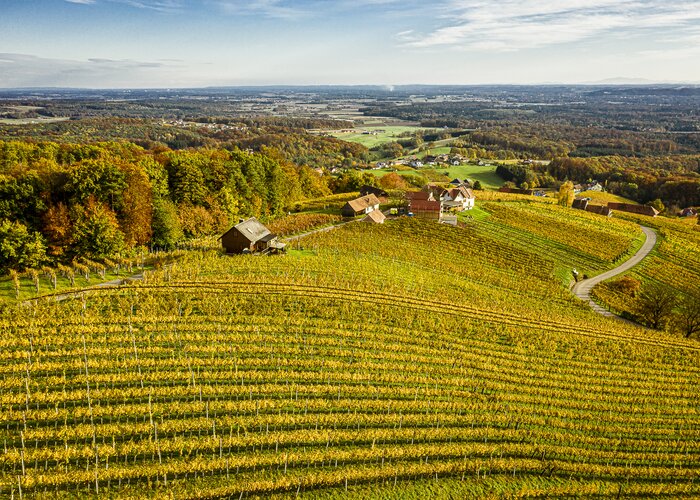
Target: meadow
{"points": [[391, 360], [379, 134]]}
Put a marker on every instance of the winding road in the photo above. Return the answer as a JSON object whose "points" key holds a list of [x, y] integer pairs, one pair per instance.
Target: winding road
{"points": [[583, 288]]}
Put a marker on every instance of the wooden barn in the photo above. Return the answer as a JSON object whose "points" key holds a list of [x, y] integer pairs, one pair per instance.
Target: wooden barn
{"points": [[250, 236], [361, 205]]}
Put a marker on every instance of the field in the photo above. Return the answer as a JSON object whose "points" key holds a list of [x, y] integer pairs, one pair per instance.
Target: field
{"points": [[384, 133], [391, 360], [674, 263], [486, 175]]}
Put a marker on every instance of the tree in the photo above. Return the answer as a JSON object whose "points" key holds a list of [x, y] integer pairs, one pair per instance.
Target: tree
{"points": [[477, 186], [658, 205], [655, 304], [687, 318], [393, 181], [566, 194], [19, 248], [166, 225], [97, 233]]}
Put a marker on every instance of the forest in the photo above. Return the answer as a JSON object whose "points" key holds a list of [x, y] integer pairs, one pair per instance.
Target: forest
{"points": [[61, 201]]}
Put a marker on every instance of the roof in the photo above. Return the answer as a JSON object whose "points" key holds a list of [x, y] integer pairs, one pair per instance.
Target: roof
{"points": [[457, 181], [635, 209], [466, 192], [375, 216], [367, 190], [419, 195], [359, 204], [425, 205], [252, 229]]}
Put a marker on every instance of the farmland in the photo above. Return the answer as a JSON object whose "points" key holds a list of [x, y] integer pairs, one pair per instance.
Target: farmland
{"points": [[375, 135], [371, 360]]}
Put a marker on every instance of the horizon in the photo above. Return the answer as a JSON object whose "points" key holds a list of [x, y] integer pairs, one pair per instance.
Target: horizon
{"points": [[130, 44]]}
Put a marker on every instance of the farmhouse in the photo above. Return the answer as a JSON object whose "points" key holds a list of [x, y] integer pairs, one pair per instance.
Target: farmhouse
{"points": [[459, 198], [634, 209], [361, 205], [251, 236], [688, 212]]}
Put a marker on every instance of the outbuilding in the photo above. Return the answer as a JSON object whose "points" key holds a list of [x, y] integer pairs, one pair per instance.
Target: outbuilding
{"points": [[250, 236]]}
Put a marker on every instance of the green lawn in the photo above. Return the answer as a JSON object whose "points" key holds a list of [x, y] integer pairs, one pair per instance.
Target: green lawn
{"points": [[486, 175]]}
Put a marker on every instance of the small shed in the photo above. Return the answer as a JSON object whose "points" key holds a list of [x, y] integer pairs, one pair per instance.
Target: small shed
{"points": [[375, 217], [361, 205], [252, 236]]}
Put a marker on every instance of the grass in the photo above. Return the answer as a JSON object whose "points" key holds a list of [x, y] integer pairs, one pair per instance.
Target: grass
{"points": [[602, 198], [28, 290], [387, 133]]}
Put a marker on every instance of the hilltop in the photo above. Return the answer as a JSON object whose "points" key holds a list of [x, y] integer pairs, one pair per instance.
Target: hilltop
{"points": [[373, 360]]}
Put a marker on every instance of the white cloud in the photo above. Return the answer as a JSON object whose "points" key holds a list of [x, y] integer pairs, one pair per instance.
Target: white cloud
{"points": [[23, 70], [515, 24]]}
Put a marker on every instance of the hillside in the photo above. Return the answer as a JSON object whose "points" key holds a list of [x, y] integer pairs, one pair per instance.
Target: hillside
{"points": [[404, 359]]}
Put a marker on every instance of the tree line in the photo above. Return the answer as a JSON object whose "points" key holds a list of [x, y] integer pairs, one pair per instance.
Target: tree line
{"points": [[63, 201]]}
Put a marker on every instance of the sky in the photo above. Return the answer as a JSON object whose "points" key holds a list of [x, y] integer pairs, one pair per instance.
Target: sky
{"points": [[199, 43]]}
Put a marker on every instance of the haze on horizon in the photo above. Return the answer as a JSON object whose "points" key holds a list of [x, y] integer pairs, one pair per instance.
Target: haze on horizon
{"points": [[194, 43]]}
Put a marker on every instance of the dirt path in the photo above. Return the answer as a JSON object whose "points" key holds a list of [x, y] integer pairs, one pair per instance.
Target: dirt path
{"points": [[583, 288]]}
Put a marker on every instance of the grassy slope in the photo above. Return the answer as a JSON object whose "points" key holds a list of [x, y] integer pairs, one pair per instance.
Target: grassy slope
{"points": [[377, 354]]}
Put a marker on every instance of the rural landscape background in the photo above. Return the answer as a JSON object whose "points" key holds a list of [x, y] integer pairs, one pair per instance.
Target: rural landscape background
{"points": [[244, 254]]}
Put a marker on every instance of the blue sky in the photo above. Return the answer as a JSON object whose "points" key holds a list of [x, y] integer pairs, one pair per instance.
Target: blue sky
{"points": [[184, 43]]}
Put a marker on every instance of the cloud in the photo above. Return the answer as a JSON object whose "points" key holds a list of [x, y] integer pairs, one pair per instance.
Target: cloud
{"points": [[23, 70], [157, 5], [269, 8], [513, 24]]}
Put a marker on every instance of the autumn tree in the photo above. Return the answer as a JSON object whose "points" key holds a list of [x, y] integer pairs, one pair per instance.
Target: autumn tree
{"points": [[136, 215], [566, 194], [655, 303], [686, 320], [58, 228]]}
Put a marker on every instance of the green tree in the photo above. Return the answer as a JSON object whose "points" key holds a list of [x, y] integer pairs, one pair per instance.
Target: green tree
{"points": [[97, 233], [20, 248], [166, 225]]}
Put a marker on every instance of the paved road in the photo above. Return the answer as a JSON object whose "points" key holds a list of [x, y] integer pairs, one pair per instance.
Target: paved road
{"points": [[583, 288]]}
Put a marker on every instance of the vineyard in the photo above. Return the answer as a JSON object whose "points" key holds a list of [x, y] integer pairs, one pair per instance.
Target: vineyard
{"points": [[675, 262], [403, 359]]}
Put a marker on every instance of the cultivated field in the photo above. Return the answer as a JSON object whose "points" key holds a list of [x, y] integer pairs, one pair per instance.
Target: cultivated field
{"points": [[404, 359]]}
